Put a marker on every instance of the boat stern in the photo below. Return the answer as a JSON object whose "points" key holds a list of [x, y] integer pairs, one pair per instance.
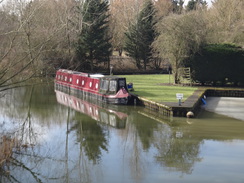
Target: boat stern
{"points": [[122, 97]]}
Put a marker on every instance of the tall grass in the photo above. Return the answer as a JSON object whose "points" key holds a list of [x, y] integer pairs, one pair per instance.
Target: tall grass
{"points": [[158, 87]]}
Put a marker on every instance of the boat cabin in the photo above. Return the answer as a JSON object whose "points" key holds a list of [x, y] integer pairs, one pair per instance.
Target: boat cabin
{"points": [[112, 84]]}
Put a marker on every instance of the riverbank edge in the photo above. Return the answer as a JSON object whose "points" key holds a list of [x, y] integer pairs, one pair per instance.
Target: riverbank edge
{"points": [[193, 103]]}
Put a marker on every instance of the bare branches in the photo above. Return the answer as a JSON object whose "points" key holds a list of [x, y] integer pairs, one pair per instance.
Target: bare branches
{"points": [[225, 22], [180, 36], [26, 37]]}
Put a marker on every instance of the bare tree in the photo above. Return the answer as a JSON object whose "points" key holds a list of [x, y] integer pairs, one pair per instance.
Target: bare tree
{"points": [[163, 7], [225, 22], [34, 36], [123, 13], [179, 37], [13, 62]]}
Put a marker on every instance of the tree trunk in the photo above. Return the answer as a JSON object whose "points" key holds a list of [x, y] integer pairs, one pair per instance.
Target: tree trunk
{"points": [[138, 64], [176, 77], [145, 64], [91, 60], [120, 51]]}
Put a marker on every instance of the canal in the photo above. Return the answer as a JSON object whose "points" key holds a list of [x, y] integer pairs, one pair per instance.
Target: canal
{"points": [[60, 138]]}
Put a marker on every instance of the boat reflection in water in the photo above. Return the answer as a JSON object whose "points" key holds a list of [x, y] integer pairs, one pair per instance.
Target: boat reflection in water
{"points": [[94, 110]]}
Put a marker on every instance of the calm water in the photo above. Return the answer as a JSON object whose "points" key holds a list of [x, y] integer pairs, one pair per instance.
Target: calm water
{"points": [[67, 139]]}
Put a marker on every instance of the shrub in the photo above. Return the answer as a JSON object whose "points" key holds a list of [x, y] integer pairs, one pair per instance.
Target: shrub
{"points": [[218, 63]]}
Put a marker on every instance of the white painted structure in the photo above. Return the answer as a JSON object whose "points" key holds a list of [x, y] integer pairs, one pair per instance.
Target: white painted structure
{"points": [[228, 106]]}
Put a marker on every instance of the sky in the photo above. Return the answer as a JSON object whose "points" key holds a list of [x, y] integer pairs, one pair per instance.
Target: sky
{"points": [[208, 1]]}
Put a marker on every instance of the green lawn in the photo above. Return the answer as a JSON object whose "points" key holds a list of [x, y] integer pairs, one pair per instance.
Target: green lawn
{"points": [[151, 87]]}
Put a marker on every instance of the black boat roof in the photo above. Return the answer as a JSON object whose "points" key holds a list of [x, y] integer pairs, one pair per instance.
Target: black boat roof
{"points": [[112, 77]]}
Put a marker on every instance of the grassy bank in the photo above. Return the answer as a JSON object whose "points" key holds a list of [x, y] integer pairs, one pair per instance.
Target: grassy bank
{"points": [[157, 87]]}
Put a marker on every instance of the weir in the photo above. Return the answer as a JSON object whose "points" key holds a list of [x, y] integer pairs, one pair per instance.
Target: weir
{"points": [[229, 106]]}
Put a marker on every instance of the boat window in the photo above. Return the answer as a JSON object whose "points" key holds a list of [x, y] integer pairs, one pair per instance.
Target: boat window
{"points": [[70, 79], [90, 84], [77, 81], [121, 83], [83, 82], [96, 85], [104, 85], [112, 85], [65, 78]]}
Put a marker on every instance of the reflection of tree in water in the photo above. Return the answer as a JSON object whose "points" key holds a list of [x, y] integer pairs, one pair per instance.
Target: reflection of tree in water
{"points": [[175, 151], [28, 111], [92, 138], [17, 101], [145, 130], [139, 139], [40, 98], [180, 156], [18, 141], [15, 163]]}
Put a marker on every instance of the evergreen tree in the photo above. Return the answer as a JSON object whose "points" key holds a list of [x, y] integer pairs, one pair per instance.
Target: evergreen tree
{"points": [[94, 45], [141, 35]]}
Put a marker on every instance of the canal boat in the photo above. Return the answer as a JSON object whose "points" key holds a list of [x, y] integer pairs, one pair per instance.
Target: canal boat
{"points": [[109, 89]]}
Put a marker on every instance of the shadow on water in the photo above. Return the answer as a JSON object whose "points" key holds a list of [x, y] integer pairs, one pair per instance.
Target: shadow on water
{"points": [[64, 138]]}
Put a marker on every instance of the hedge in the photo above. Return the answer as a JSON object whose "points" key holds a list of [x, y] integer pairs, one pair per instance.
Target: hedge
{"points": [[218, 64]]}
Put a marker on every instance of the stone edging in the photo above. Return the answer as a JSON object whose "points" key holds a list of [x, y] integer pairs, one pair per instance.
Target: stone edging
{"points": [[192, 103]]}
